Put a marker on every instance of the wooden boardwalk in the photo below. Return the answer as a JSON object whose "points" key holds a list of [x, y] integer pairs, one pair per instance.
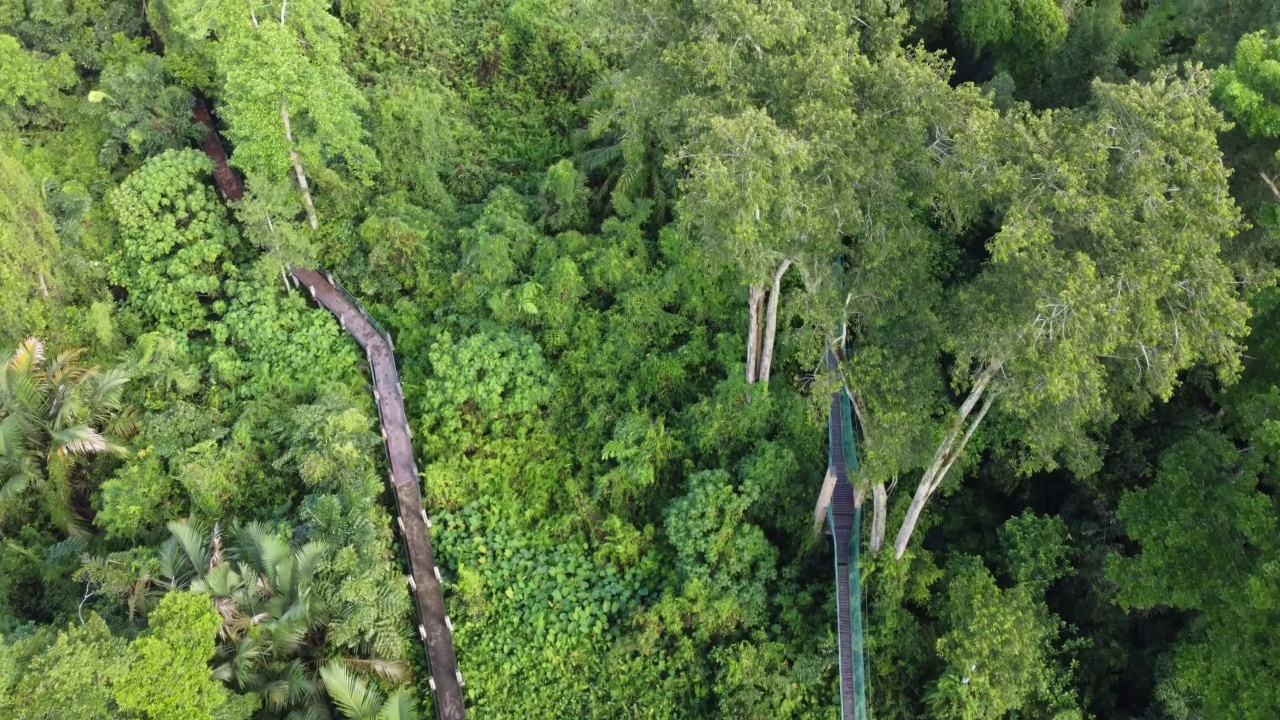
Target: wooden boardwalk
{"points": [[435, 629]]}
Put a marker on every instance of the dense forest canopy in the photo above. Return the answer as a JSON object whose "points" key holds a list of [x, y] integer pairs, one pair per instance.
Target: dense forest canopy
{"points": [[613, 241]]}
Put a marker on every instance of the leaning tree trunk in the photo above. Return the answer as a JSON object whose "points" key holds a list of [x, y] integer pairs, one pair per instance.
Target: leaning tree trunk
{"points": [[771, 323], [293, 156], [755, 298], [948, 451]]}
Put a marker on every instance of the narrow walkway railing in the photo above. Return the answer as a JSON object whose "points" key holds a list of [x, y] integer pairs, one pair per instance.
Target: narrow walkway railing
{"points": [[844, 518]]}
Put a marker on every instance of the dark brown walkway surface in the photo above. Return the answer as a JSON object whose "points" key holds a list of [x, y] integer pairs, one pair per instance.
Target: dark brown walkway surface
{"points": [[229, 186], [436, 629]]}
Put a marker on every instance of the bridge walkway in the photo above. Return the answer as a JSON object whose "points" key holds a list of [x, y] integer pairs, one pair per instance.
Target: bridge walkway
{"points": [[435, 629]]}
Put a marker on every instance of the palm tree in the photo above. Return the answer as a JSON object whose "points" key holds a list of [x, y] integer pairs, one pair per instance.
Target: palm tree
{"points": [[360, 701], [52, 411], [271, 638], [630, 156]]}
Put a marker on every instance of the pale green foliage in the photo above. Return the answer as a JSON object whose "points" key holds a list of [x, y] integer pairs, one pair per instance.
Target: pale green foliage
{"points": [[639, 446], [270, 54], [1249, 87], [177, 241], [29, 83], [413, 136], [298, 62], [1021, 27], [71, 677], [1106, 277], [762, 680], [28, 249], [995, 646], [564, 197], [141, 112], [173, 655], [133, 500]]}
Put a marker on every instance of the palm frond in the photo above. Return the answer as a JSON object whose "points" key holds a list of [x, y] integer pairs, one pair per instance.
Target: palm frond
{"points": [[28, 356], [275, 693], [399, 706], [82, 440], [173, 563], [598, 157], [307, 559], [12, 438], [191, 535], [394, 671], [15, 485], [220, 582], [289, 632], [302, 684], [107, 390], [355, 698], [64, 368], [25, 397]]}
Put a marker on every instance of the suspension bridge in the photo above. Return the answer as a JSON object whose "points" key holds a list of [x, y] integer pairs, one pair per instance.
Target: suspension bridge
{"points": [[839, 506]]}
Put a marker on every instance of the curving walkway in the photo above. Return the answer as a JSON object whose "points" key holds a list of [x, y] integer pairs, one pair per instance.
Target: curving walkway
{"points": [[434, 629]]}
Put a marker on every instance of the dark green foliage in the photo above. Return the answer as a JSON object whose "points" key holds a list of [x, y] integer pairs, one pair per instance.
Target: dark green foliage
{"points": [[557, 210], [141, 112]]}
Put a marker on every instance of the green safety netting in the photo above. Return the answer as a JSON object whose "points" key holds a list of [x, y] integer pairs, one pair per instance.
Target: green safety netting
{"points": [[840, 431]]}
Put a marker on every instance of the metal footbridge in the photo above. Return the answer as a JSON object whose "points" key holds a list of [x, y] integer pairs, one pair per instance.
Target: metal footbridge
{"points": [[840, 506]]}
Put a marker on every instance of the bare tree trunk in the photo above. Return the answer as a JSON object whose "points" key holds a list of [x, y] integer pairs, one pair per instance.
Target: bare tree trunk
{"points": [[824, 500], [1271, 184], [755, 297], [879, 508], [297, 164], [771, 322], [945, 457], [955, 454]]}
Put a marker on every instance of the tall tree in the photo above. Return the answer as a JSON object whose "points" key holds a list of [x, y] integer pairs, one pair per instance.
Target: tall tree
{"points": [[291, 109], [803, 134], [1105, 277]]}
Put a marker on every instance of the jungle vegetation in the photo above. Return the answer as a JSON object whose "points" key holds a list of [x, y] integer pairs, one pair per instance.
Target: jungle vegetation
{"points": [[612, 240]]}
